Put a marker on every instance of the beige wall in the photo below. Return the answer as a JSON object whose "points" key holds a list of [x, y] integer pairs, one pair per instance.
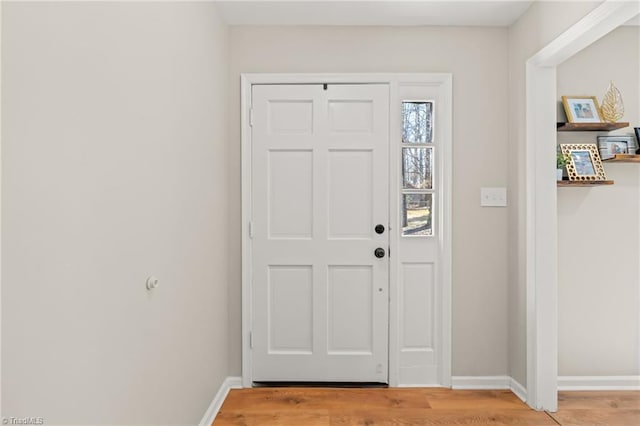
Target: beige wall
{"points": [[114, 167], [599, 228], [477, 57]]}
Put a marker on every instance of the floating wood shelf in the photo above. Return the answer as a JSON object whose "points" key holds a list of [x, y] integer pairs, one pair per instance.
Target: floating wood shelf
{"points": [[584, 183], [590, 127], [624, 158]]}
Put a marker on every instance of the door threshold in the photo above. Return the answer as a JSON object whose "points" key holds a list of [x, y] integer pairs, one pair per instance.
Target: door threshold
{"points": [[321, 384]]}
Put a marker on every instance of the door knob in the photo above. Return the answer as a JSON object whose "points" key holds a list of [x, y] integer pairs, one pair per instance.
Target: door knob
{"points": [[379, 252], [379, 229]]}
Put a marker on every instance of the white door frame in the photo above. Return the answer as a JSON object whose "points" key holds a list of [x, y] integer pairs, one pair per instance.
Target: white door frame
{"points": [[393, 80], [0, 203], [541, 193]]}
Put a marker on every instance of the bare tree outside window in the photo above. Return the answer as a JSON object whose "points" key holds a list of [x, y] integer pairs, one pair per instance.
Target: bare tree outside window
{"points": [[417, 168], [417, 122], [417, 214]]}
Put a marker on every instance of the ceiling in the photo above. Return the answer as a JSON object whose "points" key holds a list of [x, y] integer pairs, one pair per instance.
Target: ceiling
{"points": [[372, 12]]}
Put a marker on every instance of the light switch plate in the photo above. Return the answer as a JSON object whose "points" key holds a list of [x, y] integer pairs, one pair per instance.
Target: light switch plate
{"points": [[493, 197]]}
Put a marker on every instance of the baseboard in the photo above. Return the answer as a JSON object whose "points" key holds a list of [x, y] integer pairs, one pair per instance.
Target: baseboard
{"points": [[565, 383], [518, 389], [228, 384], [601, 383], [489, 382]]}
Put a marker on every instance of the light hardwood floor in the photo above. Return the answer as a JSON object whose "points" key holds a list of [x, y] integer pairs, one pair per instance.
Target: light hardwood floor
{"points": [[598, 408], [300, 406]]}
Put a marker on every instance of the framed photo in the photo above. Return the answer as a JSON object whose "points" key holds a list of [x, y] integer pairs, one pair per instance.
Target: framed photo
{"points": [[609, 146], [584, 162], [581, 109]]}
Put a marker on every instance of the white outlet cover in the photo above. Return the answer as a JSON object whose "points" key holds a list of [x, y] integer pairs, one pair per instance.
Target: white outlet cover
{"points": [[493, 197]]}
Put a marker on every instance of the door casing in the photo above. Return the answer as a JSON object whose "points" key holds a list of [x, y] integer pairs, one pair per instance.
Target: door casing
{"points": [[443, 82]]}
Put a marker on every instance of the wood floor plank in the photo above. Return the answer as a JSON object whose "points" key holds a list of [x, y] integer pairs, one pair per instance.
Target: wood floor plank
{"points": [[474, 399], [301, 418], [597, 417], [418, 417], [598, 399], [258, 399], [611, 408]]}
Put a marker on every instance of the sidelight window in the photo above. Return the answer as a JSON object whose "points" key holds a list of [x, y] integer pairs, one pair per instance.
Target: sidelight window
{"points": [[418, 153]]}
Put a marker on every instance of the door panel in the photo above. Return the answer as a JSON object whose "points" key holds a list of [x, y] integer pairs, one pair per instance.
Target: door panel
{"points": [[351, 116], [351, 293], [290, 192], [290, 319], [319, 183], [350, 193], [417, 306]]}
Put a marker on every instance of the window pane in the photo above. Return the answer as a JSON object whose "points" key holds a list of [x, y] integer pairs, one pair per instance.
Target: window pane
{"points": [[416, 214], [417, 122], [417, 169]]}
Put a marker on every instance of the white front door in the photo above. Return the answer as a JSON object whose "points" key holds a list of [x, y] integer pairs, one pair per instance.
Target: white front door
{"points": [[319, 187]]}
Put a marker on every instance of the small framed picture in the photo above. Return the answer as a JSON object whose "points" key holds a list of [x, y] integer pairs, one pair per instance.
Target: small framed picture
{"points": [[581, 109], [584, 162], [609, 146]]}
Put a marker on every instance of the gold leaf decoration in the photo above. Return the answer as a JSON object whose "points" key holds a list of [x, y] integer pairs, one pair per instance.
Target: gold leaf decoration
{"points": [[612, 107]]}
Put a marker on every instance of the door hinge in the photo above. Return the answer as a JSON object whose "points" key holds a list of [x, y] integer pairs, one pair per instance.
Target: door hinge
{"points": [[389, 251], [251, 117], [251, 340], [250, 229]]}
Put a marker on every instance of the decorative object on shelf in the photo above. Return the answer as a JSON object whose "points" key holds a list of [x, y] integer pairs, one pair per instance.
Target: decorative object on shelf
{"points": [[612, 108], [584, 162], [581, 109], [561, 161], [637, 130], [609, 146]]}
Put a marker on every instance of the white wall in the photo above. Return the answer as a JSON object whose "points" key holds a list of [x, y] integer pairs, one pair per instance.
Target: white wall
{"points": [[542, 23], [114, 167], [477, 57], [599, 228]]}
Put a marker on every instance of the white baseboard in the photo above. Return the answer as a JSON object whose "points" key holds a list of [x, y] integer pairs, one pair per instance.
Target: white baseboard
{"points": [[518, 389], [585, 383], [489, 382], [228, 384]]}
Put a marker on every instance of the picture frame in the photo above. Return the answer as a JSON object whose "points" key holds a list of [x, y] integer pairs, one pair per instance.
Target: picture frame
{"points": [[584, 163], [609, 146], [581, 109]]}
